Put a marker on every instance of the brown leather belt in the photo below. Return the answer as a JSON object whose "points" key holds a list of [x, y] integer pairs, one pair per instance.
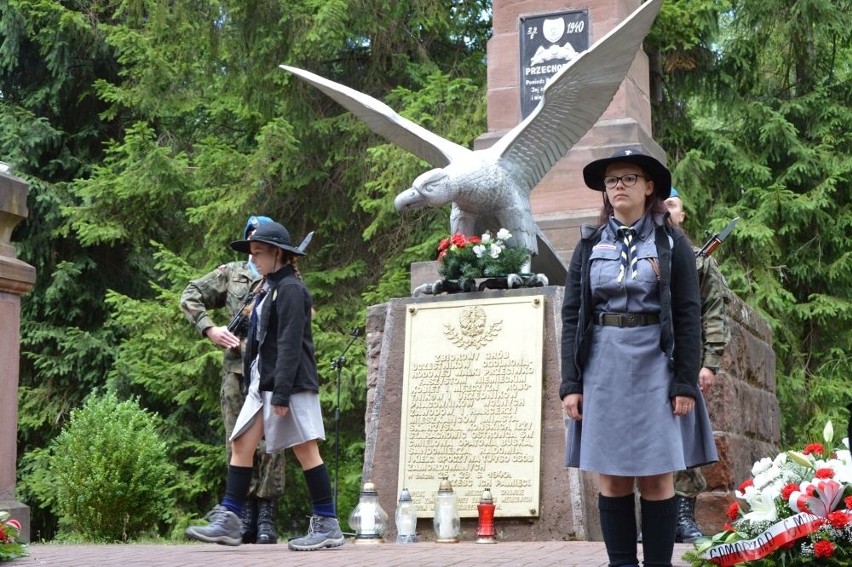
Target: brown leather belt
{"points": [[626, 319]]}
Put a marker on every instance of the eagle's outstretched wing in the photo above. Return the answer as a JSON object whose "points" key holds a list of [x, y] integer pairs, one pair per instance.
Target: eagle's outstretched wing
{"points": [[574, 99], [384, 121]]}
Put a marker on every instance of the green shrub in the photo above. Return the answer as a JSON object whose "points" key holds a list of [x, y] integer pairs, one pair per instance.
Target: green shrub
{"points": [[112, 472]]}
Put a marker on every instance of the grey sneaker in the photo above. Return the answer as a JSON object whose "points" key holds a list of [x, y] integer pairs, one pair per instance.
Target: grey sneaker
{"points": [[323, 532], [224, 528]]}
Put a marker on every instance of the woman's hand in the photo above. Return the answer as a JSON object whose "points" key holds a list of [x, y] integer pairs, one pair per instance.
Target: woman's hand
{"points": [[682, 405], [573, 406], [280, 411]]}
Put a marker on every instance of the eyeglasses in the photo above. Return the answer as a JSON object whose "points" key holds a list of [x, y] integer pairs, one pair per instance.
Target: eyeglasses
{"points": [[628, 180]]}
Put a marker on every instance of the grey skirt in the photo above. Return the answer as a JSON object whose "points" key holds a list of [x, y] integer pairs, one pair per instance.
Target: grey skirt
{"points": [[628, 428], [301, 424]]}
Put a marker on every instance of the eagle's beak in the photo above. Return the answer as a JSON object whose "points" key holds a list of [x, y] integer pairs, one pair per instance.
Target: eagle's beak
{"points": [[409, 199]]}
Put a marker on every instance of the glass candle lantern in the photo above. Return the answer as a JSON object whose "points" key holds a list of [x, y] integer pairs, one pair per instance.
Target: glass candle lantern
{"points": [[485, 529], [368, 519], [447, 522], [406, 518]]}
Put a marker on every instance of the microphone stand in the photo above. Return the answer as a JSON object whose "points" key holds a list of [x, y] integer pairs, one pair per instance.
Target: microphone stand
{"points": [[338, 363]]}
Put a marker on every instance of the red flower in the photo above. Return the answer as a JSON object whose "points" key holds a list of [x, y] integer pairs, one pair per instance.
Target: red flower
{"points": [[733, 511], [443, 245], [788, 490], [746, 484], [458, 239], [848, 502], [814, 448], [728, 527], [838, 519], [474, 240], [823, 548], [824, 473]]}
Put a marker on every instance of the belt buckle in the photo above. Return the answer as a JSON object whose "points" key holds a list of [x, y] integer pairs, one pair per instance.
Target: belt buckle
{"points": [[631, 319]]}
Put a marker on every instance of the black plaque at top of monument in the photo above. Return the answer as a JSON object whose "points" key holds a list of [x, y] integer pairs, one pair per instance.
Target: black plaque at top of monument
{"points": [[548, 43]]}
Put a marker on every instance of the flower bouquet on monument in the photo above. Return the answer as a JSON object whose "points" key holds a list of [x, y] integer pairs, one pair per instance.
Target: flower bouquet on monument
{"points": [[795, 510], [9, 546], [463, 259]]}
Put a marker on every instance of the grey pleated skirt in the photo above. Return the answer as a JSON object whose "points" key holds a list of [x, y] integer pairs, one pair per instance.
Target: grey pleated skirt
{"points": [[628, 428], [301, 424]]}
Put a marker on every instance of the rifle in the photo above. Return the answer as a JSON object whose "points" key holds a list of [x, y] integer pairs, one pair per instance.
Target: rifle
{"points": [[715, 240], [239, 324]]}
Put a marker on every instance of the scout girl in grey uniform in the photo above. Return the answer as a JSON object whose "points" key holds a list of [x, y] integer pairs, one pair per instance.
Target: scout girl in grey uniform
{"points": [[630, 356], [282, 405]]}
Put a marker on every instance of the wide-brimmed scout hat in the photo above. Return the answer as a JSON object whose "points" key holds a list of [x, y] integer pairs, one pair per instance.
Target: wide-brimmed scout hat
{"points": [[593, 174], [269, 233]]}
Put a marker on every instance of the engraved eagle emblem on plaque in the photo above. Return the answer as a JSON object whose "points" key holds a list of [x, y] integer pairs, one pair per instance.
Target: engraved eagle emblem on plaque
{"points": [[473, 330]]}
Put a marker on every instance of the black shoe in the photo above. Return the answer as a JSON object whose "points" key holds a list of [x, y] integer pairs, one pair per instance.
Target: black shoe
{"points": [[687, 530], [248, 528], [266, 509]]}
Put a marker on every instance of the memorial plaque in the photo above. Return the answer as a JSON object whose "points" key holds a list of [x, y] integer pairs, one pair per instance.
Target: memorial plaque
{"points": [[548, 43], [471, 403]]}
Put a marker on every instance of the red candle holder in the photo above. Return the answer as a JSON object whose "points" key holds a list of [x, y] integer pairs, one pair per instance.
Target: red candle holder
{"points": [[485, 530]]}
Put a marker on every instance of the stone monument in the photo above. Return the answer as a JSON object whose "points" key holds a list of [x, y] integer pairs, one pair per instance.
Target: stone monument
{"points": [[16, 279], [560, 204]]}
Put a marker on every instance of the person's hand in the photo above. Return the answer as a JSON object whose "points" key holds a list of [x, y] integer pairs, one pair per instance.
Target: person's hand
{"points": [[682, 405], [705, 379], [223, 337], [573, 406], [280, 411]]}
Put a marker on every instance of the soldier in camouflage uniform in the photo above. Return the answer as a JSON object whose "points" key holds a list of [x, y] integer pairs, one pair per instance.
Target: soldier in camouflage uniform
{"points": [[227, 286], [715, 337]]}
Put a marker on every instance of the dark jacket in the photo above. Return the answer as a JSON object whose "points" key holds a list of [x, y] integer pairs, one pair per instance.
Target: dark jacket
{"points": [[284, 342], [680, 310]]}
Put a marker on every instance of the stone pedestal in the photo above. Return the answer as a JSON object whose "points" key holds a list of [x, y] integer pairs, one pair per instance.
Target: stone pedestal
{"points": [[561, 515], [16, 278]]}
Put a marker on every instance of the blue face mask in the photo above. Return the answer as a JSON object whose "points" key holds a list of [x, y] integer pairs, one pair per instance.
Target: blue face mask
{"points": [[253, 269]]}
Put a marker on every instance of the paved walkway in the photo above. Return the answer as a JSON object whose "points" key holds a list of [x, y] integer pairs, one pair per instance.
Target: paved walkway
{"points": [[426, 554]]}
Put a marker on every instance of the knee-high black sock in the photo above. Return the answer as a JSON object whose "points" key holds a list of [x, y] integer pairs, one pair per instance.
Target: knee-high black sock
{"points": [[236, 488], [319, 487], [659, 522], [618, 523]]}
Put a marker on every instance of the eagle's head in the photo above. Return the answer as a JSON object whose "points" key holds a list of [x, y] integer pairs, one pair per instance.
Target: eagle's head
{"points": [[430, 189]]}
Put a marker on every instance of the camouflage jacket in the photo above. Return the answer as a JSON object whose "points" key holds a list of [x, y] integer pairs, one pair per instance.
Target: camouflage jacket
{"points": [[226, 286], [714, 324]]}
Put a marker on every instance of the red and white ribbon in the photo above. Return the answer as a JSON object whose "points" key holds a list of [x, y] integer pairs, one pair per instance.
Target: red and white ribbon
{"points": [[788, 530]]}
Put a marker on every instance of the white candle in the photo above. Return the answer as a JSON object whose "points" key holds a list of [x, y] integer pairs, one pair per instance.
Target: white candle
{"points": [[368, 518]]}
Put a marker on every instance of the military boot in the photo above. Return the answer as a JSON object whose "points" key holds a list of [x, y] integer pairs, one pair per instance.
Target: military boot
{"points": [[249, 521], [687, 530], [266, 509]]}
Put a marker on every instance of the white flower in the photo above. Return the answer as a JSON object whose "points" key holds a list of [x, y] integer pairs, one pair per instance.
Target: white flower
{"points": [[828, 432], [495, 250], [761, 466], [479, 250], [762, 505], [486, 238], [503, 234]]}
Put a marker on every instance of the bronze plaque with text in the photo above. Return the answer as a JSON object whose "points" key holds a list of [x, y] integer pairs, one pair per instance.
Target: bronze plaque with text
{"points": [[471, 407]]}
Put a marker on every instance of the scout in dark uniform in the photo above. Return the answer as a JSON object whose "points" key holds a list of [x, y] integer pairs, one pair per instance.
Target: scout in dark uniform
{"points": [[631, 347], [227, 286]]}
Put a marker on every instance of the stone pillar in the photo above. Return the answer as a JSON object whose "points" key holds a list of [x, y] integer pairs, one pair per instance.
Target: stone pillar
{"points": [[16, 278], [561, 202]]}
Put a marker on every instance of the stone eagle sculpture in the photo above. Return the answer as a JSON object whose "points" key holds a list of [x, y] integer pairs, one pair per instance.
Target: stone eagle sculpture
{"points": [[490, 188]]}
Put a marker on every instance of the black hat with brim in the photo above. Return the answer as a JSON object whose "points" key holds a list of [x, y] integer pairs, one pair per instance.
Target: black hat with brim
{"points": [[593, 174], [268, 233]]}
